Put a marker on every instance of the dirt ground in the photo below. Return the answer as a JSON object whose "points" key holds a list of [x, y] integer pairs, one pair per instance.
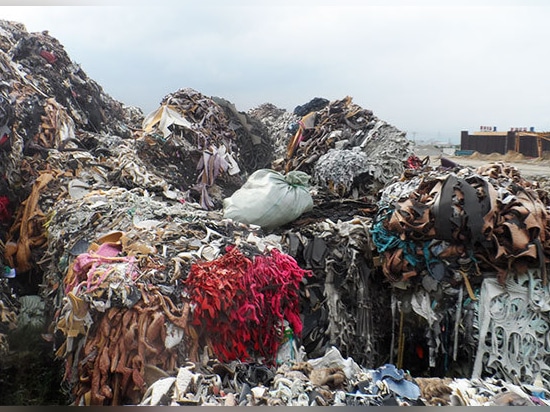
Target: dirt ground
{"points": [[530, 168]]}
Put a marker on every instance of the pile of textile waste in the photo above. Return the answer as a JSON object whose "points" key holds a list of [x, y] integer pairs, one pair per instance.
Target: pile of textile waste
{"points": [[330, 380], [201, 144], [345, 148], [163, 284], [451, 243]]}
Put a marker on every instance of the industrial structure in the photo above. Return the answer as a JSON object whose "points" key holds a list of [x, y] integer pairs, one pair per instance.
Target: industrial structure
{"points": [[520, 140]]}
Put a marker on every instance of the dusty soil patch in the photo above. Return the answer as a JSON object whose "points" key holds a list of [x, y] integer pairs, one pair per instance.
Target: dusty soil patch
{"points": [[529, 167]]}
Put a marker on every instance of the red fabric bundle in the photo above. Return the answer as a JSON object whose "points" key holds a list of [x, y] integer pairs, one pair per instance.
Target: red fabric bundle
{"points": [[241, 304]]}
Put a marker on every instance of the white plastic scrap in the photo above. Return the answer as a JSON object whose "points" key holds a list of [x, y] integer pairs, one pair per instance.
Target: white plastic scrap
{"points": [[333, 358], [517, 330], [165, 116], [174, 335], [157, 391]]}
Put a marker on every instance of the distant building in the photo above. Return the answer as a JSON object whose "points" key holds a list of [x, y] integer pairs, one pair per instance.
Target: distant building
{"points": [[529, 143]]}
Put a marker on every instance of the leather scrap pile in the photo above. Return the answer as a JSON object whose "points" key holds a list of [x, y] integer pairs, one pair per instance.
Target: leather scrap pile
{"points": [[201, 144], [279, 124], [344, 147], [327, 381], [343, 301], [45, 98], [161, 284], [378, 280], [462, 249]]}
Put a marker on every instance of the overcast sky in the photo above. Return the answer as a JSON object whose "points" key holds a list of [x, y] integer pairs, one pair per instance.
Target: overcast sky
{"points": [[430, 68]]}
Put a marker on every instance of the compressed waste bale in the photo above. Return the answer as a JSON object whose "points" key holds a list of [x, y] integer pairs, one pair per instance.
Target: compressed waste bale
{"points": [[485, 221], [270, 199]]}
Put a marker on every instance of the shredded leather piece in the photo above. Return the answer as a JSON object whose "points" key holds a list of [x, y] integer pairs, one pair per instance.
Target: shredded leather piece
{"points": [[120, 345], [499, 225], [436, 391], [27, 232]]}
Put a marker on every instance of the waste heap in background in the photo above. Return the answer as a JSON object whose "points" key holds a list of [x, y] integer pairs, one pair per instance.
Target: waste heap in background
{"points": [[118, 253], [47, 102], [48, 107], [203, 145], [279, 124], [345, 148]]}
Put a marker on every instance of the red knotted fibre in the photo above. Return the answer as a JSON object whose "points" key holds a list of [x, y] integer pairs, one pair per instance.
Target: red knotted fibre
{"points": [[241, 304]]}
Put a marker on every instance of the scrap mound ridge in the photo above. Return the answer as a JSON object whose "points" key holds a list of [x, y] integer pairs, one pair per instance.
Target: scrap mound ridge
{"points": [[35, 67]]}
